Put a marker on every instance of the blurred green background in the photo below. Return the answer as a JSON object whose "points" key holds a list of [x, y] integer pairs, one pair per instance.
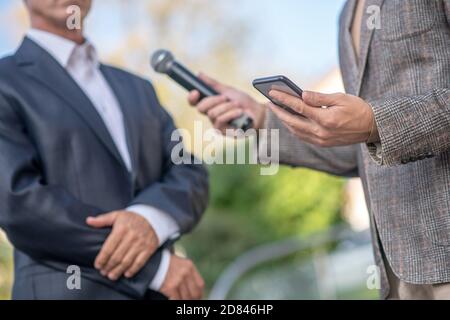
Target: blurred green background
{"points": [[235, 41]]}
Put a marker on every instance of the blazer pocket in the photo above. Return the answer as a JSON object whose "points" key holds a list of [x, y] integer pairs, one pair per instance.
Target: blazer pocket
{"points": [[402, 19], [435, 214], [438, 229]]}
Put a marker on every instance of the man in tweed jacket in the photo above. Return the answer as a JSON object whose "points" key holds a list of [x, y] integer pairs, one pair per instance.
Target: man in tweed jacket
{"points": [[392, 129]]}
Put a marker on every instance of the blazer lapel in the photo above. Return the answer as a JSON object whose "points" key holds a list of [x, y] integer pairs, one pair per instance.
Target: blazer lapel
{"points": [[41, 66], [349, 63], [366, 40], [122, 91]]}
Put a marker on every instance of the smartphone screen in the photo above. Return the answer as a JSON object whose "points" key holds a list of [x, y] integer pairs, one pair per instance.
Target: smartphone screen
{"points": [[279, 83]]}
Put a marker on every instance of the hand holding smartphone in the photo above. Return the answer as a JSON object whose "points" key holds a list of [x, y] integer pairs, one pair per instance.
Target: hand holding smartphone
{"points": [[279, 83]]}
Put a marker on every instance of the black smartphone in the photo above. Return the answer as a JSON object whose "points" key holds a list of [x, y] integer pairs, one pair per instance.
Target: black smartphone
{"points": [[279, 83]]}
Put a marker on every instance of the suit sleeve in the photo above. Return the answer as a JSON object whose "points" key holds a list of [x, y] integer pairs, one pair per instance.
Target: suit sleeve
{"points": [[340, 161], [182, 191], [45, 221], [412, 128]]}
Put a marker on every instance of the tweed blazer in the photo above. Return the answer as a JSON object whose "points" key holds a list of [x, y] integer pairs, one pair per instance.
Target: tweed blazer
{"points": [[404, 72]]}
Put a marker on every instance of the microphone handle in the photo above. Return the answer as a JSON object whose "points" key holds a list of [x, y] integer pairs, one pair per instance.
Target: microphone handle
{"points": [[190, 82]]}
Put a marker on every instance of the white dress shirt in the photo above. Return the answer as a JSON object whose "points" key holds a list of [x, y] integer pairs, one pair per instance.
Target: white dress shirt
{"points": [[82, 63]]}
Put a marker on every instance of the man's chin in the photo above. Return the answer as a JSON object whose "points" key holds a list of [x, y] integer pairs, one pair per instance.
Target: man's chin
{"points": [[84, 5]]}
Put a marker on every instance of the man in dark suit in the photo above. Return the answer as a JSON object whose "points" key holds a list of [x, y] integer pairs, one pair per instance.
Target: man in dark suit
{"points": [[87, 182]]}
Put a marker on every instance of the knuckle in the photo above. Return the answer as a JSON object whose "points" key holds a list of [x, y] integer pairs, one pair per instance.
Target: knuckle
{"points": [[289, 122], [324, 135], [140, 263], [282, 99], [220, 121], [317, 132], [120, 215], [329, 122], [119, 229], [312, 96], [323, 143], [136, 238], [106, 252], [171, 289], [186, 272], [132, 271], [201, 108], [212, 114]]}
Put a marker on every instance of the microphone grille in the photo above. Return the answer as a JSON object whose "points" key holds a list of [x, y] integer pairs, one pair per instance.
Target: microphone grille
{"points": [[161, 61]]}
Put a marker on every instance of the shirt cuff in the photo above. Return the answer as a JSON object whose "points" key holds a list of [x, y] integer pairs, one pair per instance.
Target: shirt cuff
{"points": [[161, 274], [164, 225]]}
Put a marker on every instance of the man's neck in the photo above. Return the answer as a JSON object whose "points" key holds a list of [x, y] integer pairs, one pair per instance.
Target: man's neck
{"points": [[75, 35]]}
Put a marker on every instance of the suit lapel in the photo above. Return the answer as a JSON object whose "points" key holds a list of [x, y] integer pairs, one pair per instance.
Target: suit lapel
{"points": [[122, 91], [41, 66], [349, 64], [366, 40]]}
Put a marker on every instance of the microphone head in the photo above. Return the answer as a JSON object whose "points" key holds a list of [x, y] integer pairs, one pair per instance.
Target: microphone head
{"points": [[162, 60]]}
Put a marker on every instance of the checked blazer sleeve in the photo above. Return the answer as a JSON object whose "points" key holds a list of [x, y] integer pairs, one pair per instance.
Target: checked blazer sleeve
{"points": [[412, 128]]}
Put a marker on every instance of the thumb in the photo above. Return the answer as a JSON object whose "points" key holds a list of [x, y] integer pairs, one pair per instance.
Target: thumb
{"points": [[317, 99], [216, 85], [102, 221]]}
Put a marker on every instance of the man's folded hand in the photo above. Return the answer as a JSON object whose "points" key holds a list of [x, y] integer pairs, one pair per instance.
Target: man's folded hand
{"points": [[183, 281], [129, 246]]}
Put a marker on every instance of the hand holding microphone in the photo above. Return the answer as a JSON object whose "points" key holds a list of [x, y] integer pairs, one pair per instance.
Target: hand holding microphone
{"points": [[224, 105]]}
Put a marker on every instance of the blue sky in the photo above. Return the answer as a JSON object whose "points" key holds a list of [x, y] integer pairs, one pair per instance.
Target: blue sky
{"points": [[291, 37]]}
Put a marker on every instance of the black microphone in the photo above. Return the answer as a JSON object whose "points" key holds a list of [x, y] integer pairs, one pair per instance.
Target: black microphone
{"points": [[164, 62]]}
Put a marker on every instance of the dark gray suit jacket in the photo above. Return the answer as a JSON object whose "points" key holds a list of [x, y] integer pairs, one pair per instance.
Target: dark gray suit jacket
{"points": [[404, 71], [59, 165]]}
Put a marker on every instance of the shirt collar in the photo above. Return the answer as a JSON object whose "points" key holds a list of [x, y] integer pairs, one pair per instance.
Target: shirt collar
{"points": [[61, 48]]}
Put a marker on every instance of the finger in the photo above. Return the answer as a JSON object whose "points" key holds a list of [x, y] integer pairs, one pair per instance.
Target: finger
{"points": [[296, 104], [138, 264], [288, 119], [213, 83], [184, 291], [108, 248], [175, 295], [211, 102], [305, 137], [302, 128], [139, 259], [116, 273], [227, 117], [116, 259], [214, 113], [194, 290], [317, 99], [199, 282], [194, 98], [102, 221]]}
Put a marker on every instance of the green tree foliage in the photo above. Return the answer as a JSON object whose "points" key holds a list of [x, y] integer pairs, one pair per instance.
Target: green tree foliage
{"points": [[248, 209]]}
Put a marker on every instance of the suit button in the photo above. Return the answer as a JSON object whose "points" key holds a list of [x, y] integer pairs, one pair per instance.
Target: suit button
{"points": [[413, 159], [422, 157], [430, 155], [404, 161]]}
